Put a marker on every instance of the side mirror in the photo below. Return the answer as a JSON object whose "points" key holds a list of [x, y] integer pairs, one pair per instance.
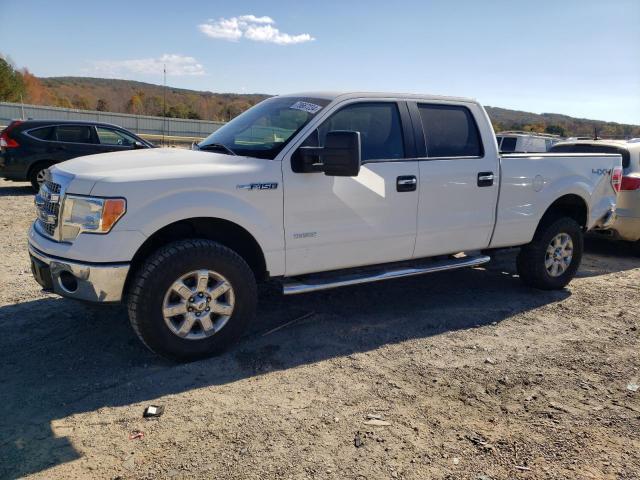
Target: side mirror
{"points": [[340, 156], [138, 144]]}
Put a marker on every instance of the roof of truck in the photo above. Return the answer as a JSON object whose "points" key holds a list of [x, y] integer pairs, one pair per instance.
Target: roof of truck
{"points": [[333, 95]]}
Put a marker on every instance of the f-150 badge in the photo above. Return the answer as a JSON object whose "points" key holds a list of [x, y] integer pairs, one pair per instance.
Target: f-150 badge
{"points": [[258, 186]]}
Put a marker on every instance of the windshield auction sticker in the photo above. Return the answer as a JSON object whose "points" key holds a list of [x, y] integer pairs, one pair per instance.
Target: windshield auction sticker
{"points": [[306, 107]]}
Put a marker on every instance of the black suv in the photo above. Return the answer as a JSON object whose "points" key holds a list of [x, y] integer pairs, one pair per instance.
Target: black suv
{"points": [[28, 148]]}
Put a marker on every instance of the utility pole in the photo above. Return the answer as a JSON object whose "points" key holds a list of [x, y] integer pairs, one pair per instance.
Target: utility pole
{"points": [[164, 103], [22, 106]]}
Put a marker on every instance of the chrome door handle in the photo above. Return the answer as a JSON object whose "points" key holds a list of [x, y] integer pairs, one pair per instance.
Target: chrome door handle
{"points": [[406, 183], [485, 179]]}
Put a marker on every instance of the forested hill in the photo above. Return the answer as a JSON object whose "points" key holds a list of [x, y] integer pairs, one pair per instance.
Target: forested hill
{"points": [[127, 96], [137, 97]]}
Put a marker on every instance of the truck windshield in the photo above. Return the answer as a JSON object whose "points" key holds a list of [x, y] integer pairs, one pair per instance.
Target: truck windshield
{"points": [[264, 130]]}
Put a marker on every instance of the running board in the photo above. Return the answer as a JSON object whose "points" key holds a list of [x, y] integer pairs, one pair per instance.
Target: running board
{"points": [[325, 281]]}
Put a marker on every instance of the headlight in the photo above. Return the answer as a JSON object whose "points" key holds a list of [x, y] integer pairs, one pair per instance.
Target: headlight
{"points": [[90, 214]]}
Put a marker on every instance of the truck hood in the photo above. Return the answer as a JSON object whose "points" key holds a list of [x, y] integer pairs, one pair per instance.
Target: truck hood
{"points": [[148, 165]]}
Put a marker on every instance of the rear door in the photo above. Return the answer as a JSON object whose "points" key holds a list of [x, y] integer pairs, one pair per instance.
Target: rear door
{"points": [[340, 222], [458, 179], [73, 141]]}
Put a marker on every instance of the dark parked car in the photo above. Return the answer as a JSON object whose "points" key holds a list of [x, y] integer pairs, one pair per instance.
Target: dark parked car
{"points": [[28, 148]]}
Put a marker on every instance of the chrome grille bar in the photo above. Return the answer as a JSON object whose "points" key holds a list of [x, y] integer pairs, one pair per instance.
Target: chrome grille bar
{"points": [[47, 203]]}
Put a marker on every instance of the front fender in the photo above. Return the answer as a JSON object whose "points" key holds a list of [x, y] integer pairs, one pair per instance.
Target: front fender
{"points": [[259, 213]]}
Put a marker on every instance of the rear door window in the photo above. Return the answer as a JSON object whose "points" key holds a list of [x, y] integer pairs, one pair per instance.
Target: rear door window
{"points": [[45, 133], [593, 149], [450, 131], [74, 134]]}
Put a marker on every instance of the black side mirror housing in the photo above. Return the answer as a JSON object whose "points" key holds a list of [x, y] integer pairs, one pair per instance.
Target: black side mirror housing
{"points": [[340, 156], [138, 144]]}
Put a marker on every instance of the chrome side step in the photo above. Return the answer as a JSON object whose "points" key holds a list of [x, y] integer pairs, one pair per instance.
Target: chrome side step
{"points": [[327, 280]]}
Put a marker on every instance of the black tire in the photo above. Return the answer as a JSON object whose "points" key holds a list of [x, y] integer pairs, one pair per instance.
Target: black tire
{"points": [[531, 259], [154, 278], [33, 175]]}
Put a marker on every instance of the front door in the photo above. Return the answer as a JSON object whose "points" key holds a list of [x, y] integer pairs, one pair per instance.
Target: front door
{"points": [[112, 140], [340, 222]]}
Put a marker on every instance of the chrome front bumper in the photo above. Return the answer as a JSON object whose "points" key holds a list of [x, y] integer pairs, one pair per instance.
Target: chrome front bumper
{"points": [[82, 281]]}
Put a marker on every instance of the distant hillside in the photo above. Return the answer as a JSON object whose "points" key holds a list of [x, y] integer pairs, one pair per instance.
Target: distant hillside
{"points": [[504, 119], [127, 96]]}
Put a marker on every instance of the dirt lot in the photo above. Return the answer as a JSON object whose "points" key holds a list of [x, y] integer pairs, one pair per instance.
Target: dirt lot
{"points": [[478, 377]]}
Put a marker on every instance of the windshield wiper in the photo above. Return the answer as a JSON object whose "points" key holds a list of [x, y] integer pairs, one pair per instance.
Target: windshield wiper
{"points": [[217, 147]]}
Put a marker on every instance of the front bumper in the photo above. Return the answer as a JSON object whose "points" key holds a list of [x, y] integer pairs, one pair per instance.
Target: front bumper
{"points": [[103, 283]]}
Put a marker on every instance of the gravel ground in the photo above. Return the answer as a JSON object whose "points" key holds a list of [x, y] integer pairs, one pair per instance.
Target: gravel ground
{"points": [[477, 377]]}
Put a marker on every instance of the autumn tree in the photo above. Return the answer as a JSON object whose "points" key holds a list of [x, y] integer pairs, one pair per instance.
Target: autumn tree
{"points": [[555, 130], [80, 102], [102, 105], [134, 105]]}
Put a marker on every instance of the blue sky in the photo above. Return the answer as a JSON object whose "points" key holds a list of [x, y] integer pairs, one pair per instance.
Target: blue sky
{"points": [[577, 57]]}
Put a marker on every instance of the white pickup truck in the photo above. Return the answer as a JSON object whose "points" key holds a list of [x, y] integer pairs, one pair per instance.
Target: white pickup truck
{"points": [[316, 190]]}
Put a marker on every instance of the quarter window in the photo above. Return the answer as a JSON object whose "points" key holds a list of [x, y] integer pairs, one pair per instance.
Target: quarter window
{"points": [[450, 131], [74, 134], [378, 124], [44, 133]]}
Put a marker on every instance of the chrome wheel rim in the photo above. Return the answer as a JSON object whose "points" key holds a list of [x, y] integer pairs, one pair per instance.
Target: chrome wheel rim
{"points": [[40, 176], [198, 304], [559, 255]]}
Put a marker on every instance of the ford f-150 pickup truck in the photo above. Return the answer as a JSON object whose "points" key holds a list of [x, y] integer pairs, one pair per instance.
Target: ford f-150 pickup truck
{"points": [[315, 190]]}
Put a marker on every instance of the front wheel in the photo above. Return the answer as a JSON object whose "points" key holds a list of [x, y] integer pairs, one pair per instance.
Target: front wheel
{"points": [[192, 299], [552, 258], [37, 176]]}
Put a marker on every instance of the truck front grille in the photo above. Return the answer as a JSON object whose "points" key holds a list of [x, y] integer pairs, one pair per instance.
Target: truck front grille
{"points": [[48, 207]]}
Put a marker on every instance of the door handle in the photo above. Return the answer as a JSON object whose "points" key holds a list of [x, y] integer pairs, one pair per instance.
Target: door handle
{"points": [[485, 179], [406, 183]]}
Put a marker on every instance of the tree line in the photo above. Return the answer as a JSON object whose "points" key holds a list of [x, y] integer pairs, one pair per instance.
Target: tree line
{"points": [[127, 96]]}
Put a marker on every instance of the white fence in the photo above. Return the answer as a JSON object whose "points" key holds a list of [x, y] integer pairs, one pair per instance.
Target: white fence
{"points": [[141, 124]]}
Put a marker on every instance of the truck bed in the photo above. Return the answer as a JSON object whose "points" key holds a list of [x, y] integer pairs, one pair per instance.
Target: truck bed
{"points": [[530, 183]]}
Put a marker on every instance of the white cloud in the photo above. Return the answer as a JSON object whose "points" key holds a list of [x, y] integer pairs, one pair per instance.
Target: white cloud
{"points": [[177, 65], [254, 19], [269, 34], [257, 29]]}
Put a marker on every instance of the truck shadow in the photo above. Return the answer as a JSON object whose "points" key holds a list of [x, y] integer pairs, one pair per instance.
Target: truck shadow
{"points": [[61, 358], [15, 190], [604, 256]]}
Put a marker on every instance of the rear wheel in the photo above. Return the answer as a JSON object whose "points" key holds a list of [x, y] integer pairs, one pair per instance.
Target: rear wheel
{"points": [[36, 176], [192, 299], [552, 258]]}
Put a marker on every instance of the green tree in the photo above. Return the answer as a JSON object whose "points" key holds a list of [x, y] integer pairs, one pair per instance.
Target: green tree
{"points": [[11, 83]]}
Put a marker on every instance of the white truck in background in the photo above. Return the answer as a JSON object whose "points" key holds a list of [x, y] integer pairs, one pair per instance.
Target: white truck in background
{"points": [[315, 190], [525, 142]]}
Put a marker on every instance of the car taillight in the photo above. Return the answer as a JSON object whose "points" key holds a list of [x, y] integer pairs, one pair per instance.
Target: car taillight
{"points": [[5, 140], [616, 178], [630, 183]]}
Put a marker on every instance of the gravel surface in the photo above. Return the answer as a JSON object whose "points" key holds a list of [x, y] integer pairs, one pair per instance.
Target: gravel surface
{"points": [[464, 374]]}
